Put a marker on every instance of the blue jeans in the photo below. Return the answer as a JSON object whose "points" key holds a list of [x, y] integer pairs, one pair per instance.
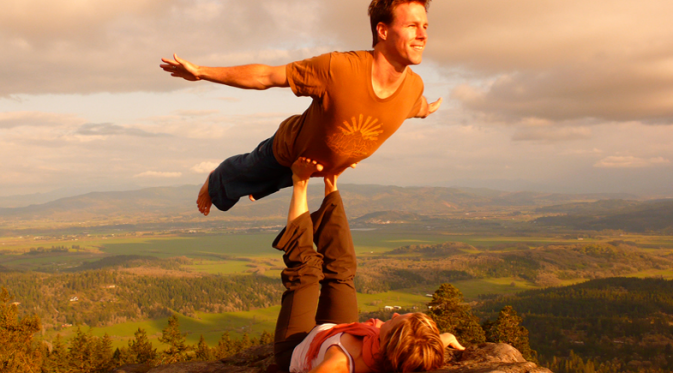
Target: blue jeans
{"points": [[257, 173]]}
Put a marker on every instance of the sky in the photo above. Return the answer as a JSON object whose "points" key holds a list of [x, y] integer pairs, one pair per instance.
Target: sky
{"points": [[542, 95]]}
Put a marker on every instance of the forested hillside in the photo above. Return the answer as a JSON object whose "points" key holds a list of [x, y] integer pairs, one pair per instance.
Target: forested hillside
{"points": [[549, 265], [653, 216], [104, 297], [629, 320]]}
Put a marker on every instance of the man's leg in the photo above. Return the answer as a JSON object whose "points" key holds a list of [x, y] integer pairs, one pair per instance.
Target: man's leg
{"points": [[304, 269], [332, 236], [257, 173]]}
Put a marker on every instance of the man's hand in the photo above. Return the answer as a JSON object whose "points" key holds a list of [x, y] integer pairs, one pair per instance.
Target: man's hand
{"points": [[180, 68], [427, 109]]}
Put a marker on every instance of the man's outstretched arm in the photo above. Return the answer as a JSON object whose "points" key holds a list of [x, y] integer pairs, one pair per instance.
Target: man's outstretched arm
{"points": [[427, 109], [247, 76]]}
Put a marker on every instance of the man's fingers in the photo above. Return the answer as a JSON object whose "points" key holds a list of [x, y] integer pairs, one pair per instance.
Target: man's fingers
{"points": [[170, 62], [434, 106]]}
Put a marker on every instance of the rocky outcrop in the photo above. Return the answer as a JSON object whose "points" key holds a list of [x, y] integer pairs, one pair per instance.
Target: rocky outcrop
{"points": [[484, 358]]}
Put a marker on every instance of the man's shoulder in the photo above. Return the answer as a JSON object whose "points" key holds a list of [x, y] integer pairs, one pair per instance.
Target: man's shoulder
{"points": [[352, 55], [414, 78]]}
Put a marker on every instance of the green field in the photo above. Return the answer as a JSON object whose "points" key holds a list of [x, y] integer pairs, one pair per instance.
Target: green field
{"points": [[211, 326], [212, 250]]}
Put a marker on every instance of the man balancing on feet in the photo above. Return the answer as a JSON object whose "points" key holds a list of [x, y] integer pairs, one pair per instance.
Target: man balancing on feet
{"points": [[359, 100]]}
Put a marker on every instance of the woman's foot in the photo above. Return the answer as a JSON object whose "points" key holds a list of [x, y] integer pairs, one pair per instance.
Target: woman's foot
{"points": [[303, 168]]}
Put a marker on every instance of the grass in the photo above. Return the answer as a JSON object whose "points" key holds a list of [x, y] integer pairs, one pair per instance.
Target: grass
{"points": [[473, 288], [254, 322], [211, 326], [664, 273]]}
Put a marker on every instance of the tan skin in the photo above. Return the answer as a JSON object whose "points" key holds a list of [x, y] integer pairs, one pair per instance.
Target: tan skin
{"points": [[399, 45], [336, 359]]}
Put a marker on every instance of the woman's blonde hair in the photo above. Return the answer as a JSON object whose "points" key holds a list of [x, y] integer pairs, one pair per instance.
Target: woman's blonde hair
{"points": [[413, 345]]}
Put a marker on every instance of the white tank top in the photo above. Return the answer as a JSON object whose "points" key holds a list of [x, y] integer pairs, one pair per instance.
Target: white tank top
{"points": [[298, 363]]}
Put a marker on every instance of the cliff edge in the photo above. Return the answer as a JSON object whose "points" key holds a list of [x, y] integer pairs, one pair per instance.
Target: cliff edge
{"points": [[484, 358]]}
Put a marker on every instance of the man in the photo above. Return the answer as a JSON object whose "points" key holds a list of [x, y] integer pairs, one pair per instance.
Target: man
{"points": [[359, 100]]}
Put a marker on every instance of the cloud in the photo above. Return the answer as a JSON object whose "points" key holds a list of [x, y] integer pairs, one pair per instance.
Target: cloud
{"points": [[631, 162], [87, 46], [108, 129], [36, 119], [204, 167], [560, 60], [159, 174], [195, 113], [552, 134]]}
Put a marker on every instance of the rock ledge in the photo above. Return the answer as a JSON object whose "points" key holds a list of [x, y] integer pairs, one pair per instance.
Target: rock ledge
{"points": [[484, 358]]}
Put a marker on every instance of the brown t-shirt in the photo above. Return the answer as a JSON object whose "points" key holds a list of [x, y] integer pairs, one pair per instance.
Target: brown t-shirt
{"points": [[346, 121]]}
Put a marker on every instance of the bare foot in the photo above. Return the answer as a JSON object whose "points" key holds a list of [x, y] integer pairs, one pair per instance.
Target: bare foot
{"points": [[303, 168], [203, 201]]}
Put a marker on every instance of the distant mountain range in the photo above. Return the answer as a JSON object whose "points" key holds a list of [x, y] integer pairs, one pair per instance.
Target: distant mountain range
{"points": [[180, 203], [634, 216]]}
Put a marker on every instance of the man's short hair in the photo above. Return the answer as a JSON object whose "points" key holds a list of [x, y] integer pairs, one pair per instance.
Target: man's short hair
{"points": [[382, 11]]}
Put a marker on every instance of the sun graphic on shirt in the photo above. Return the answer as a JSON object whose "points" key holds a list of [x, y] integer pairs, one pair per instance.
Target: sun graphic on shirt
{"points": [[357, 138]]}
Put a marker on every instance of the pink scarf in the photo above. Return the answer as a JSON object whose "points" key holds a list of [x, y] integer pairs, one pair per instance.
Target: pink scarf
{"points": [[370, 342]]}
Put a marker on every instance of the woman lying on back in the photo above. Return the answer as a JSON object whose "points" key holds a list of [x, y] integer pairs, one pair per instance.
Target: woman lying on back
{"points": [[317, 328]]}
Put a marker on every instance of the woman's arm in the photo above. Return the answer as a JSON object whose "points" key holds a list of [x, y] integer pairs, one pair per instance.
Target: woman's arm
{"points": [[335, 361]]}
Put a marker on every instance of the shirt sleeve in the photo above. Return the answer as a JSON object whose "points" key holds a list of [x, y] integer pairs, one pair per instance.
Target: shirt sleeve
{"points": [[418, 85], [309, 77]]}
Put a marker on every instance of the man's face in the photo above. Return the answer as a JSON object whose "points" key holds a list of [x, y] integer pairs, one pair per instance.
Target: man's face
{"points": [[407, 34]]}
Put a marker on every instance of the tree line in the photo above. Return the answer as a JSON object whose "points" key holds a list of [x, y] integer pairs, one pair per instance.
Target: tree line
{"points": [[86, 353], [105, 297], [612, 322]]}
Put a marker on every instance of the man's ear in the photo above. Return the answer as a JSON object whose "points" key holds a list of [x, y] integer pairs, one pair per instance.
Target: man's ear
{"points": [[382, 31]]}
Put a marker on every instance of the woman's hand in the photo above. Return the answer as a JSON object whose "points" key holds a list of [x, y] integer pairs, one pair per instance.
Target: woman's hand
{"points": [[449, 340]]}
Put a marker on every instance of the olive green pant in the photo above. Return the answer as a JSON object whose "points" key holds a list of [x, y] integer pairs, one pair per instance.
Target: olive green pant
{"points": [[319, 282]]}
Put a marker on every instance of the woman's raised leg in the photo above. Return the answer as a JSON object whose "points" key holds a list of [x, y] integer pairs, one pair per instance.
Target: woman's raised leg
{"points": [[303, 271], [332, 237]]}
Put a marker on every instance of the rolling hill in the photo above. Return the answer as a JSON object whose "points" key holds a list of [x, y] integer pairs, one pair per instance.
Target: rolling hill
{"points": [[179, 203]]}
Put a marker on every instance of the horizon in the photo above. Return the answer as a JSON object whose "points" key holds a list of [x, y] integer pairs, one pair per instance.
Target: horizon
{"points": [[564, 97]]}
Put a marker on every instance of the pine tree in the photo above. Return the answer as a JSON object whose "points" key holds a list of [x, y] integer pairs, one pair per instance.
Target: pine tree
{"points": [[448, 310], [265, 338], [203, 352], [103, 354], [507, 329], [140, 349], [121, 357], [177, 348], [89, 354], [245, 343], [17, 351], [56, 361], [224, 346]]}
